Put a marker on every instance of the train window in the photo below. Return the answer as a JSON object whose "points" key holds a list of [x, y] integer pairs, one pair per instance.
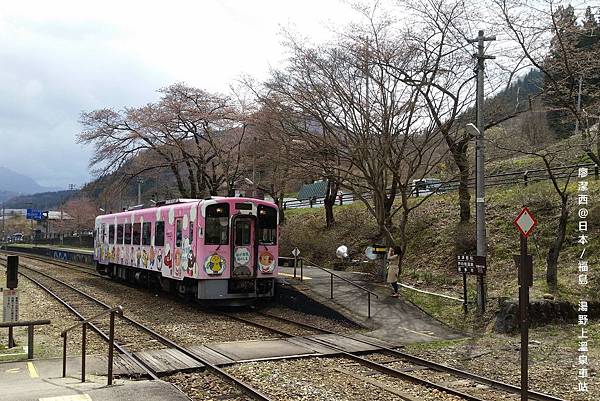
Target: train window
{"points": [[191, 232], [178, 232], [105, 233], [137, 233], [267, 225], [216, 231], [111, 234], [119, 234], [128, 233], [159, 234], [146, 233], [242, 232]]}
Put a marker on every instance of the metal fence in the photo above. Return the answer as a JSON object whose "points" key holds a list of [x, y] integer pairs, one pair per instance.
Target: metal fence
{"points": [[524, 177]]}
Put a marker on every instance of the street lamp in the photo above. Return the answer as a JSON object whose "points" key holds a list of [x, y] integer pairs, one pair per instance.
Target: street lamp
{"points": [[255, 186]]}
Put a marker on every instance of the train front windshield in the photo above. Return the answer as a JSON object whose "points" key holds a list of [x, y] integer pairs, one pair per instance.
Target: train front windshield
{"points": [[267, 225], [217, 224]]}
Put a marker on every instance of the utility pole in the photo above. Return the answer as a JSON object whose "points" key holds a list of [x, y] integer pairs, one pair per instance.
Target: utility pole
{"points": [[139, 199], [254, 168], [479, 164], [3, 224]]}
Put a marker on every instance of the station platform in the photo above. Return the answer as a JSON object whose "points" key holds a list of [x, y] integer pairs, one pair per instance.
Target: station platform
{"points": [[40, 380], [393, 320]]}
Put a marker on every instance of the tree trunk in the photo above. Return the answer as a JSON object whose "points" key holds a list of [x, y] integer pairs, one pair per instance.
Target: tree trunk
{"points": [[328, 203], [464, 196], [279, 203], [180, 186], [192, 180], [556, 247]]}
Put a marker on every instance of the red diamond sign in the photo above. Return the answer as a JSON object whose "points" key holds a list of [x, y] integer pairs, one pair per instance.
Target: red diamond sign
{"points": [[525, 222]]}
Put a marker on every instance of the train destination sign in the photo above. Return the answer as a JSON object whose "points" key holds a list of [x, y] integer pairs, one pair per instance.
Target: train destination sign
{"points": [[469, 264]]}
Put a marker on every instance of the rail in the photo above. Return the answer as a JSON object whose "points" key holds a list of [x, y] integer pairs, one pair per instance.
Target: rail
{"points": [[111, 341], [24, 323], [332, 274], [515, 177]]}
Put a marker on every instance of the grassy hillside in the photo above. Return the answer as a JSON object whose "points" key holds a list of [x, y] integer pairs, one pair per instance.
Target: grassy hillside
{"points": [[430, 258]]}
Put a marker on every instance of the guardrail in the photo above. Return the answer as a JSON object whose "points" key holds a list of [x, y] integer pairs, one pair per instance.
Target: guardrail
{"points": [[111, 341], [517, 177], [30, 325]]}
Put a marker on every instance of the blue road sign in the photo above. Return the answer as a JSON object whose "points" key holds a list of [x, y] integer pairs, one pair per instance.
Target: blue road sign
{"points": [[34, 214]]}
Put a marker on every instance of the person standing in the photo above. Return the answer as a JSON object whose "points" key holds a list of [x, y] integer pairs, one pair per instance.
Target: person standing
{"points": [[393, 268]]}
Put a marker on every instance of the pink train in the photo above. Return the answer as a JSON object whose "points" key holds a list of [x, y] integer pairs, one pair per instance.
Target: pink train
{"points": [[217, 248]]}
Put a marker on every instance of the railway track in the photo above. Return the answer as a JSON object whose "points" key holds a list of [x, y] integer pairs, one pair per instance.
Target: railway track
{"points": [[84, 305], [414, 369], [423, 369]]}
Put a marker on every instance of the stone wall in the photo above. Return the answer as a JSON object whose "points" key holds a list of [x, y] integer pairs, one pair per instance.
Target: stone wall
{"points": [[541, 312]]}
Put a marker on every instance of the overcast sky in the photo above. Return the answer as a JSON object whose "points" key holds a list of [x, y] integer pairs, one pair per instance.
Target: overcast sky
{"points": [[59, 58]]}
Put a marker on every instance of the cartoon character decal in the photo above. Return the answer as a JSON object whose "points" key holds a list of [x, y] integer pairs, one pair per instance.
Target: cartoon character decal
{"points": [[266, 261], [177, 268], [191, 264], [138, 257], [151, 257], [168, 260], [144, 259], [159, 259], [214, 264], [186, 255]]}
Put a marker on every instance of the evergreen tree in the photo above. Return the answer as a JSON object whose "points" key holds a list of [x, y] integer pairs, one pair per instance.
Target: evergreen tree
{"points": [[573, 56]]}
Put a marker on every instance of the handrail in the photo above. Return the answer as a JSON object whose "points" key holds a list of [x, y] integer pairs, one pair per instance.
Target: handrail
{"points": [[338, 276], [118, 308], [111, 341], [369, 292]]}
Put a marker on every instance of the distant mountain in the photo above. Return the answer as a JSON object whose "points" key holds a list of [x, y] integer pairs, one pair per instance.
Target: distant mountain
{"points": [[43, 201], [15, 183]]}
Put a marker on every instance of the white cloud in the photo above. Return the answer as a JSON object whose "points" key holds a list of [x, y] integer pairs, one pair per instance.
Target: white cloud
{"points": [[63, 57]]}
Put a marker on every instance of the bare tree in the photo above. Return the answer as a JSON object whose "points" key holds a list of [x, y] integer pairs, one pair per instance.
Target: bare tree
{"points": [[194, 134], [552, 155], [347, 103], [77, 216]]}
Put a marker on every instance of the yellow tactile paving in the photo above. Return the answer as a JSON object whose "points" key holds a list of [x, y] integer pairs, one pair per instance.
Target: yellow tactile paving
{"points": [[76, 397], [32, 370]]}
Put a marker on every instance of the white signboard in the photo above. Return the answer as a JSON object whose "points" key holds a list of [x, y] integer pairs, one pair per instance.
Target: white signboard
{"points": [[296, 252], [242, 256], [10, 306]]}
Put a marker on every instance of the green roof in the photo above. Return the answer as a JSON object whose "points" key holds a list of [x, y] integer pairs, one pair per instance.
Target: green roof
{"points": [[317, 189]]}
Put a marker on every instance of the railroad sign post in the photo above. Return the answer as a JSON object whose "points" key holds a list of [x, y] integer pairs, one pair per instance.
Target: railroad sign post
{"points": [[525, 223], [11, 297], [10, 311], [296, 252], [469, 264]]}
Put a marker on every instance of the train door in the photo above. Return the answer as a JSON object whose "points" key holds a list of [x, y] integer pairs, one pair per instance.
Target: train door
{"points": [[178, 248], [243, 247]]}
